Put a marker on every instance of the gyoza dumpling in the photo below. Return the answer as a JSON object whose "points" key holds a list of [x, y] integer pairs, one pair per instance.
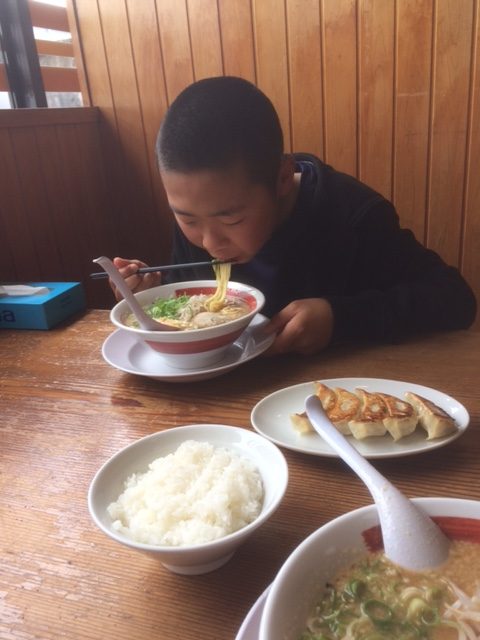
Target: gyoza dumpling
{"points": [[401, 419], [433, 419], [369, 421], [340, 406], [301, 423]]}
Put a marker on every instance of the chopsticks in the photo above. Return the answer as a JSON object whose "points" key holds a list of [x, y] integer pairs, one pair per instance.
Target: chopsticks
{"points": [[166, 267]]}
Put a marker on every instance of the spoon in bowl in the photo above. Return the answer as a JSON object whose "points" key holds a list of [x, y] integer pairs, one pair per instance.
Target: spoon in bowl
{"points": [[145, 321], [410, 537]]}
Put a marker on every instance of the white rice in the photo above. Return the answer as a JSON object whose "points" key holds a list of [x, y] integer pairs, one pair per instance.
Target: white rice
{"points": [[197, 494]]}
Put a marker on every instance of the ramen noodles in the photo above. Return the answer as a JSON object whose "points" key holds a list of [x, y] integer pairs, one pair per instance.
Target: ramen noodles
{"points": [[197, 311], [222, 274], [378, 600]]}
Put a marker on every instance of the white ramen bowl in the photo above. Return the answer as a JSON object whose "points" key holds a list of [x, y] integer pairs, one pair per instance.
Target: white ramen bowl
{"points": [[335, 545], [108, 484], [193, 348]]}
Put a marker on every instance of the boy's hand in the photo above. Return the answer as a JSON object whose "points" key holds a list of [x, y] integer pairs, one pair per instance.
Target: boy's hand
{"points": [[135, 281], [303, 326]]}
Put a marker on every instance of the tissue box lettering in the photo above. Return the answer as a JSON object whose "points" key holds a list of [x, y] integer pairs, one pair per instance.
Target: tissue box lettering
{"points": [[42, 310]]}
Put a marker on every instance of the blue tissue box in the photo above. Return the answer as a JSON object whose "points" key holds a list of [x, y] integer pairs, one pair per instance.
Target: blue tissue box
{"points": [[42, 310]]}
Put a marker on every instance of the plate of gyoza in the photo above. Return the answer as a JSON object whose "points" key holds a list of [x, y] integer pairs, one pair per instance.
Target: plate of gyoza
{"points": [[381, 418]]}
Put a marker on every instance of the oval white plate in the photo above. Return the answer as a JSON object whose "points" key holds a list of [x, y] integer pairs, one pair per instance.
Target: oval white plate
{"points": [[271, 418], [122, 351]]}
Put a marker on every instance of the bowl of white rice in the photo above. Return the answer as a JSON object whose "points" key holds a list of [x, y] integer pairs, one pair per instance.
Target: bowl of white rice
{"points": [[189, 496]]}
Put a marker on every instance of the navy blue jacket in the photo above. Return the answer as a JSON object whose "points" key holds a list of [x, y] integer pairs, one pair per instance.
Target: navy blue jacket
{"points": [[343, 242]]}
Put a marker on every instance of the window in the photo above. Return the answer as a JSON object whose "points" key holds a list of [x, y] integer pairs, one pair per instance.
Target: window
{"points": [[37, 62]]}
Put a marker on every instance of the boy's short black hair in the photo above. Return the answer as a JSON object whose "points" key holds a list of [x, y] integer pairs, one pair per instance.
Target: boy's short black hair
{"points": [[218, 123]]}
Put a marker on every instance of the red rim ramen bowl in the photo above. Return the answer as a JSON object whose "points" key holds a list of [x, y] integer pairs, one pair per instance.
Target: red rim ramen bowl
{"points": [[191, 348], [338, 544]]}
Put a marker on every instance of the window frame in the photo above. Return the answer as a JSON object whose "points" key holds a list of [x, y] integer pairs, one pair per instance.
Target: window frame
{"points": [[30, 85], [20, 58]]}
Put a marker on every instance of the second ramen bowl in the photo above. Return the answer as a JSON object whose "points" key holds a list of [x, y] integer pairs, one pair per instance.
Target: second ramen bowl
{"points": [[192, 348], [316, 561]]}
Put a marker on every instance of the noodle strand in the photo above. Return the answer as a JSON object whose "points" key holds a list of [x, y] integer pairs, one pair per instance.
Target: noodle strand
{"points": [[222, 274]]}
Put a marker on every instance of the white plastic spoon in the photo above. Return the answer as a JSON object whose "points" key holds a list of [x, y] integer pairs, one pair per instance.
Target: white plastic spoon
{"points": [[145, 321], [410, 537]]}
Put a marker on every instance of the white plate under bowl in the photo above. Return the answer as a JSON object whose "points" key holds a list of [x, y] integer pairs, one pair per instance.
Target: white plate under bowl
{"points": [[122, 351], [271, 418], [251, 625]]}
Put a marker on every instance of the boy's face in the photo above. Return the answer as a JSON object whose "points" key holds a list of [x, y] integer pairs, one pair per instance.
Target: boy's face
{"points": [[223, 211]]}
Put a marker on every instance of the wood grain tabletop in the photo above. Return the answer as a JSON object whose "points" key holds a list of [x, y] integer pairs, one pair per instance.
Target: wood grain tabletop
{"points": [[64, 411]]}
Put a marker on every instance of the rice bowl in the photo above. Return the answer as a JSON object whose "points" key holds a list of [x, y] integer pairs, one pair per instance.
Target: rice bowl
{"points": [[108, 484]]}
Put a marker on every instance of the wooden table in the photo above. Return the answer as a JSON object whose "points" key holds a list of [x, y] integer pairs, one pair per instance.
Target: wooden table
{"points": [[64, 411]]}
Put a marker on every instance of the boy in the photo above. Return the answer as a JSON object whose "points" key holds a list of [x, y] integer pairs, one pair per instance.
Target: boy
{"points": [[326, 250]]}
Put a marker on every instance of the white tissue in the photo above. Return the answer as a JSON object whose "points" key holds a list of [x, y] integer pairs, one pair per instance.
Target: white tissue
{"points": [[21, 290]]}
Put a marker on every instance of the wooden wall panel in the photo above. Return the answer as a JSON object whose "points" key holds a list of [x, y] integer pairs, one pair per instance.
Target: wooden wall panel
{"points": [[375, 107], [236, 28], [84, 216], [137, 187], [339, 39], [271, 58], [10, 210], [306, 103], [17, 236], [411, 109], [52, 155], [35, 196], [470, 263], [91, 36], [205, 38], [176, 48], [128, 82], [151, 84], [451, 85], [56, 213], [101, 90]]}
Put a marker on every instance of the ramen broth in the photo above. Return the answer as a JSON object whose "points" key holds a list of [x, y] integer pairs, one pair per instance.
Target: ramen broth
{"points": [[192, 312], [375, 599], [197, 311]]}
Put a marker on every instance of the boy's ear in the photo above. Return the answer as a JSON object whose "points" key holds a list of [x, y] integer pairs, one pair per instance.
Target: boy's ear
{"points": [[285, 181]]}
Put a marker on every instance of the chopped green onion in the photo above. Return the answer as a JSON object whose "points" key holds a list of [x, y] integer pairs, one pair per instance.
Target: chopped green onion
{"points": [[430, 617], [354, 590], [418, 610], [436, 595], [167, 307], [377, 611]]}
